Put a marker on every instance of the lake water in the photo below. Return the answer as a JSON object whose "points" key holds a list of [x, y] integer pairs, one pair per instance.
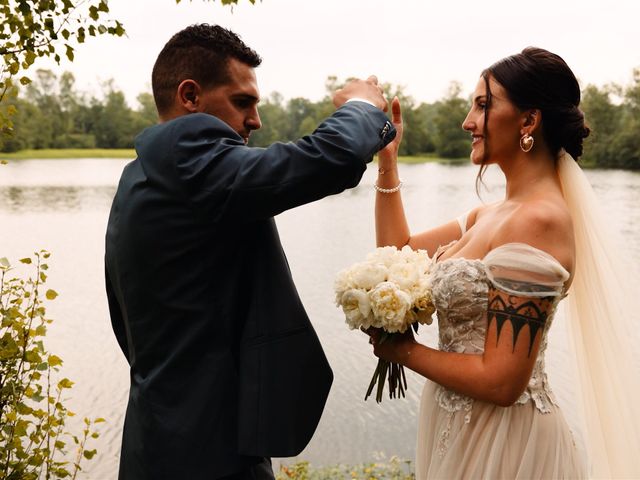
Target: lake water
{"points": [[63, 205]]}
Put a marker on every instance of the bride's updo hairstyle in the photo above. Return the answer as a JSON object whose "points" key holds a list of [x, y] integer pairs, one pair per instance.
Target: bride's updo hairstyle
{"points": [[537, 78]]}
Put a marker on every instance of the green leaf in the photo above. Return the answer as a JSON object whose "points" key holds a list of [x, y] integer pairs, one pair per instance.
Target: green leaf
{"points": [[69, 52], [25, 80], [4, 264], [51, 294], [65, 383], [26, 260], [99, 420], [54, 360], [32, 357], [89, 454], [30, 57]]}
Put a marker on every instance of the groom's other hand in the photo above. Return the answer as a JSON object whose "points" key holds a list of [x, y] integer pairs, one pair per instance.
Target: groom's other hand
{"points": [[367, 90]]}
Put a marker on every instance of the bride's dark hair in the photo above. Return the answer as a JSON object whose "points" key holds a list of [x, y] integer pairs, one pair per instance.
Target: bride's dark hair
{"points": [[537, 78]]}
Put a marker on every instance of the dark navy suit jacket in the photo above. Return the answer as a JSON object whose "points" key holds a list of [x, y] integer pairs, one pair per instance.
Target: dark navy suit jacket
{"points": [[225, 365]]}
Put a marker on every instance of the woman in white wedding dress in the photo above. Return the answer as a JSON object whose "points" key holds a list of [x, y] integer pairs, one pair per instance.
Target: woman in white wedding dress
{"points": [[498, 273]]}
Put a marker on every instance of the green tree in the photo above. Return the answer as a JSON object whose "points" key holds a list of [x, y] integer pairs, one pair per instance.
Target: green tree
{"points": [[450, 140], [32, 29], [274, 122], [28, 125], [43, 91], [415, 139], [603, 118], [145, 116], [627, 143], [427, 112], [114, 124]]}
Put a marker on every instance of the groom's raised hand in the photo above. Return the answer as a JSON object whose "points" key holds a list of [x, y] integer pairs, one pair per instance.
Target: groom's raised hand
{"points": [[368, 90]]}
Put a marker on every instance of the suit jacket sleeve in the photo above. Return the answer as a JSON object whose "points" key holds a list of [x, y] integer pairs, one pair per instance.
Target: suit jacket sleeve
{"points": [[228, 181]]}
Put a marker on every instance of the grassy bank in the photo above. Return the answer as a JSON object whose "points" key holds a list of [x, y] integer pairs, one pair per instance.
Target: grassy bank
{"points": [[432, 159], [130, 154], [69, 153], [57, 153], [392, 469]]}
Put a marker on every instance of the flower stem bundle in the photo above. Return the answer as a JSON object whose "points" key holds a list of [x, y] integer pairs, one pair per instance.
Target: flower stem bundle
{"points": [[391, 291]]}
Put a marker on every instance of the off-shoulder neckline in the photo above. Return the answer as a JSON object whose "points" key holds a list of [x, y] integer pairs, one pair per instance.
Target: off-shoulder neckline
{"points": [[443, 248]]}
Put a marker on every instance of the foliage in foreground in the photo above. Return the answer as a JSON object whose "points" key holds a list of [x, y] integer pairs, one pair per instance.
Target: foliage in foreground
{"points": [[34, 441], [394, 469]]}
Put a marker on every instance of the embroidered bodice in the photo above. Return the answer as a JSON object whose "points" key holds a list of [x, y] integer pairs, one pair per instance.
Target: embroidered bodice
{"points": [[460, 292], [460, 289]]}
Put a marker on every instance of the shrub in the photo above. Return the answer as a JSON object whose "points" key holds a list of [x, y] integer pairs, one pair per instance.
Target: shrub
{"points": [[33, 437]]}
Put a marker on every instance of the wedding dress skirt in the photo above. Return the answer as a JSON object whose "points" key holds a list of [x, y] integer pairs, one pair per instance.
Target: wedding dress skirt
{"points": [[463, 438]]}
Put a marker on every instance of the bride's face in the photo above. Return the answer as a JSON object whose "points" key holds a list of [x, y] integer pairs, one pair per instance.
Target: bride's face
{"points": [[497, 140]]}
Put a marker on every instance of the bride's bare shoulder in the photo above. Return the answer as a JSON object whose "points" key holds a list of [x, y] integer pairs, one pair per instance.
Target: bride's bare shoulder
{"points": [[543, 224]]}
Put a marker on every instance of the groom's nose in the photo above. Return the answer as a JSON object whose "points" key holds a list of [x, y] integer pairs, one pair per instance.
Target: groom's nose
{"points": [[253, 121]]}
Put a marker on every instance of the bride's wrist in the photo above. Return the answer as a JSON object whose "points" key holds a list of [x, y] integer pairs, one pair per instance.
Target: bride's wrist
{"points": [[387, 169]]}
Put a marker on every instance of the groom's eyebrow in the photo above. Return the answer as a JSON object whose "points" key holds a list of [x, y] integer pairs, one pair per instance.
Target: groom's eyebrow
{"points": [[246, 96]]}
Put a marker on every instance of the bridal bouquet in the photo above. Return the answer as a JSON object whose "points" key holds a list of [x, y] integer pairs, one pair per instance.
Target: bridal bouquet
{"points": [[390, 290]]}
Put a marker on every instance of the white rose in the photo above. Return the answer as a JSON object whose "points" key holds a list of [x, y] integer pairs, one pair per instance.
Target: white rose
{"points": [[367, 275], [407, 254], [342, 283], [405, 275], [390, 306], [422, 288], [385, 255], [357, 308]]}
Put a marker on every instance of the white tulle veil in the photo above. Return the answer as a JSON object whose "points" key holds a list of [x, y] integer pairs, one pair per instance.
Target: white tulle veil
{"points": [[602, 311]]}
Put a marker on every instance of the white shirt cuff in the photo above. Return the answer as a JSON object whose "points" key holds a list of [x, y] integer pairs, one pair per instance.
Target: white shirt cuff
{"points": [[355, 99]]}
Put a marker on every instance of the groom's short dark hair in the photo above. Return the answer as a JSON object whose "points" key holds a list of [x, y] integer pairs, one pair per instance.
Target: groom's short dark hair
{"points": [[199, 52]]}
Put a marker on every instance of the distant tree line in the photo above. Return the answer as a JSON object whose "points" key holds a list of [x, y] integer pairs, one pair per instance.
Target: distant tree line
{"points": [[51, 113]]}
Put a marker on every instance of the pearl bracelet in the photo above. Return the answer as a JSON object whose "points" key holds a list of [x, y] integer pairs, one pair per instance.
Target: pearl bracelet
{"points": [[387, 190]]}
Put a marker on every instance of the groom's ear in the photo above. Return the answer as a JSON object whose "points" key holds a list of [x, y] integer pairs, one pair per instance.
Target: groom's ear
{"points": [[188, 95]]}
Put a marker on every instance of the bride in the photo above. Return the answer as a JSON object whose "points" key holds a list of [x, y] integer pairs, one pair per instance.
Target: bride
{"points": [[498, 274]]}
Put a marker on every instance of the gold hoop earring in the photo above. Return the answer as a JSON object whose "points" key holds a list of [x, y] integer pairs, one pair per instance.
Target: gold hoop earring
{"points": [[526, 143]]}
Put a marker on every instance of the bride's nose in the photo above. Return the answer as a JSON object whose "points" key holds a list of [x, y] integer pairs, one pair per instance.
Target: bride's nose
{"points": [[468, 124]]}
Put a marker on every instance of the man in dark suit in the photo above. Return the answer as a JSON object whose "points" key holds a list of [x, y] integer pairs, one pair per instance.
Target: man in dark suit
{"points": [[226, 369]]}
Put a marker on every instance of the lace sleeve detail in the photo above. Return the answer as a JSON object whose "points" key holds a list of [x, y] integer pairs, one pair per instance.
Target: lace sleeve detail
{"points": [[520, 269]]}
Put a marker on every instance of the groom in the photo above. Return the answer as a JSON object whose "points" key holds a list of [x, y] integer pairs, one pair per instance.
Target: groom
{"points": [[226, 369]]}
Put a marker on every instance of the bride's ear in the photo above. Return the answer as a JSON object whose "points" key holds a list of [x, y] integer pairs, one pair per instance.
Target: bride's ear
{"points": [[532, 120]]}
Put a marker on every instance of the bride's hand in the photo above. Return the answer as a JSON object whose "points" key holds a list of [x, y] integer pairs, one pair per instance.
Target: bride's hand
{"points": [[395, 349], [388, 156]]}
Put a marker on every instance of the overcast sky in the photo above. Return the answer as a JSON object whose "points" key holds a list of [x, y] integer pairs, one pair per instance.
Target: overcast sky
{"points": [[421, 44]]}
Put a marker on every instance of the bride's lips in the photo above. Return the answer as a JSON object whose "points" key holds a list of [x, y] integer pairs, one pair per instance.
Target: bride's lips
{"points": [[476, 139]]}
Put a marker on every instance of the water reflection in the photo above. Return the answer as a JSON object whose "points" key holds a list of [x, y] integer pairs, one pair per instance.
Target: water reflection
{"points": [[40, 199]]}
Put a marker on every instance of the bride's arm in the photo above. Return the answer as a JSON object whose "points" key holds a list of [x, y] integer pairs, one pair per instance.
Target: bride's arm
{"points": [[391, 223], [516, 321], [500, 374]]}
